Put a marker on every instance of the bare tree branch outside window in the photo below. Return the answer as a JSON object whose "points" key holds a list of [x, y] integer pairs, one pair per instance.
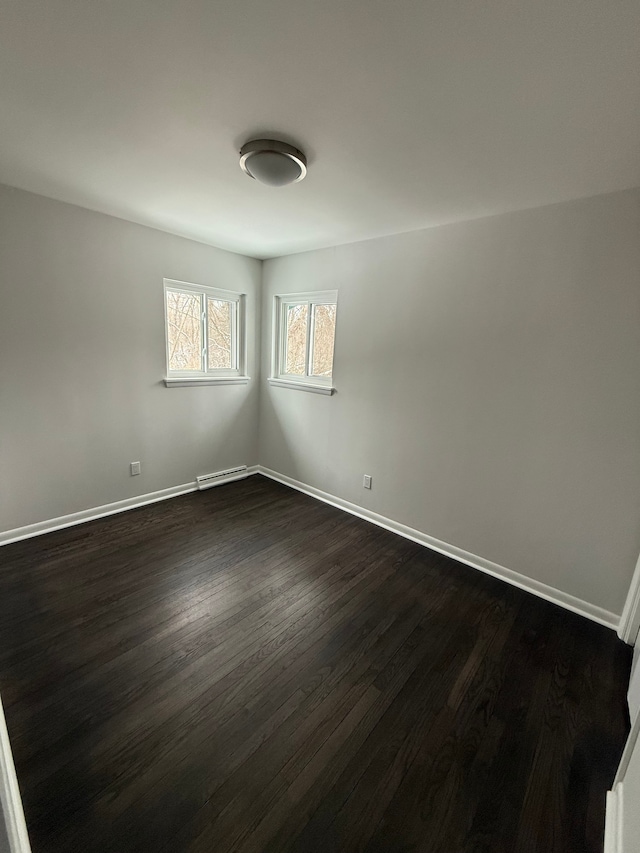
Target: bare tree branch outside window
{"points": [[219, 334], [184, 331], [324, 330], [297, 317], [309, 352], [205, 331]]}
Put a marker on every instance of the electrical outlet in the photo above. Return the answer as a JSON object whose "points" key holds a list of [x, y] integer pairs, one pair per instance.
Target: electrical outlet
{"points": [[366, 482], [135, 468]]}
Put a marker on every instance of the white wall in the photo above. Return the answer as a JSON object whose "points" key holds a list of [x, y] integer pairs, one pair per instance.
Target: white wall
{"points": [[13, 829], [488, 377], [630, 801], [633, 694], [622, 828], [82, 357]]}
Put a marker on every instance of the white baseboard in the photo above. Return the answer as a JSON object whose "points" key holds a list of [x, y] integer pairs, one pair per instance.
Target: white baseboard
{"points": [[14, 821], [613, 820], [549, 593], [52, 524], [9, 791]]}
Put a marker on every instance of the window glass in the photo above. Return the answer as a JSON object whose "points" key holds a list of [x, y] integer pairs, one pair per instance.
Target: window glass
{"points": [[184, 331], [205, 333], [219, 334], [296, 339], [324, 330], [303, 347]]}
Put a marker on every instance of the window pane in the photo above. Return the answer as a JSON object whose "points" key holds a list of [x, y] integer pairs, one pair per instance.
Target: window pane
{"points": [[297, 316], [324, 331], [184, 331], [219, 334]]}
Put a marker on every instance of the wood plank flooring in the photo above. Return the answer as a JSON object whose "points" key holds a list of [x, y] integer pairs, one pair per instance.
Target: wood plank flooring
{"points": [[250, 670]]}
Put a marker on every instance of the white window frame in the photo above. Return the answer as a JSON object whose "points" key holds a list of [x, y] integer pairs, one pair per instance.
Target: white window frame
{"points": [[308, 382], [216, 376]]}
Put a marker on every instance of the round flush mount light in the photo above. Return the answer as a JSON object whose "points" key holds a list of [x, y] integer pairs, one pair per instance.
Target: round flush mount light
{"points": [[272, 162]]}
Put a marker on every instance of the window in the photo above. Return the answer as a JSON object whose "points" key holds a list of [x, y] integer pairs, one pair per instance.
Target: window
{"points": [[304, 335], [205, 335]]}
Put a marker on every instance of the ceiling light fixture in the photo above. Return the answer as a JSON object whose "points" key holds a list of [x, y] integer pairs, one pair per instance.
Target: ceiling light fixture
{"points": [[272, 162]]}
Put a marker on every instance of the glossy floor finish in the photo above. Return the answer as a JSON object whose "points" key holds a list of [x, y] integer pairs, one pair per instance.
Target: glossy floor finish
{"points": [[250, 670]]}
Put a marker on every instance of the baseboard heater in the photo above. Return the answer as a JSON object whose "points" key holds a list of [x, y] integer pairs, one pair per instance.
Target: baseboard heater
{"points": [[207, 481]]}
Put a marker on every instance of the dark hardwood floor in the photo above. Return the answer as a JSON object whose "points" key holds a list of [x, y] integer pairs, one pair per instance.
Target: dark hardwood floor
{"points": [[247, 669]]}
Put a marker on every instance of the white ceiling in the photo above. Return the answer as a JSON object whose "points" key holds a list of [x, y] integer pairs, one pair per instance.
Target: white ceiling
{"points": [[412, 112]]}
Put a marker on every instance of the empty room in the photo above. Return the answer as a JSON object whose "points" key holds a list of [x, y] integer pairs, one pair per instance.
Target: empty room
{"points": [[319, 426]]}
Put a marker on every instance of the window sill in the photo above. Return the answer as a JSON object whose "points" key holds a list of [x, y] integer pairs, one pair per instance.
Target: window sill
{"points": [[192, 381], [302, 386]]}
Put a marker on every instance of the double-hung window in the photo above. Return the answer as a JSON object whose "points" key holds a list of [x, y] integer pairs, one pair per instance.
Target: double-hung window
{"points": [[205, 335], [304, 335]]}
